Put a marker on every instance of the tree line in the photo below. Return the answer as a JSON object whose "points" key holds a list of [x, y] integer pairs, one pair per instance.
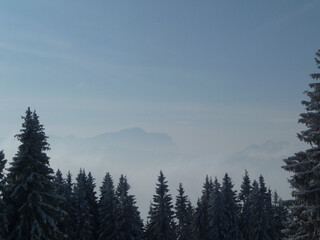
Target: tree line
{"points": [[37, 203]]}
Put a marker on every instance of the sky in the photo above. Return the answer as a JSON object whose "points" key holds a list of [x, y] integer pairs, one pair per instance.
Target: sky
{"points": [[216, 76]]}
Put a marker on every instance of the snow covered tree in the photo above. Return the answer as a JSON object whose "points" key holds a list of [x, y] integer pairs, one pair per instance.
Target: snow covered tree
{"points": [[93, 205], [184, 215], [161, 219], [59, 190], [131, 226], [245, 188], [215, 213], [83, 217], [202, 219], [69, 207], [257, 204], [230, 220], [3, 219], [305, 166], [109, 222], [32, 203], [280, 217], [245, 213]]}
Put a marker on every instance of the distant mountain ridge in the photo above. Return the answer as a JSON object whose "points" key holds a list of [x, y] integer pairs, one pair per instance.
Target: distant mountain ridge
{"points": [[130, 138]]}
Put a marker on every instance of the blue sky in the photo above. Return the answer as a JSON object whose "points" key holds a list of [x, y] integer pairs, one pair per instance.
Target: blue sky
{"points": [[214, 75]]}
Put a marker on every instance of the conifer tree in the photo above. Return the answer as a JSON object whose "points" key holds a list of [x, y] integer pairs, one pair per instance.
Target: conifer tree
{"points": [[216, 212], [257, 205], [280, 217], [245, 188], [304, 166], [93, 205], [83, 217], [70, 208], [32, 202], [3, 219], [109, 222], [184, 215], [202, 219], [245, 213], [60, 190], [161, 219], [131, 225], [230, 220]]}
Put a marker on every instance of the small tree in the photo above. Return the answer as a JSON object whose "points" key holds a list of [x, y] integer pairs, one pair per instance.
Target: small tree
{"points": [[109, 222], [184, 215], [129, 217], [161, 223]]}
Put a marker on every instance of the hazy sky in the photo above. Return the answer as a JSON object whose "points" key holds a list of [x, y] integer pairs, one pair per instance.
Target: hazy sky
{"points": [[216, 76]]}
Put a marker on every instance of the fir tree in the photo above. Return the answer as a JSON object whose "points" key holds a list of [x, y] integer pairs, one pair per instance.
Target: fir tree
{"points": [[83, 217], [184, 215], [258, 216], [280, 217], [245, 188], [216, 212], [161, 219], [229, 221], [3, 219], [304, 165], [202, 219], [32, 202], [69, 207], [93, 205], [245, 213], [109, 222], [129, 217], [60, 190]]}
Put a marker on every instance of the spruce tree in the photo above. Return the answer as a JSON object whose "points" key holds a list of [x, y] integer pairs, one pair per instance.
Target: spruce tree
{"points": [[257, 204], [83, 217], [60, 190], [202, 219], [131, 226], [280, 217], [70, 208], [184, 215], [304, 166], [216, 212], [161, 219], [108, 220], [245, 213], [3, 219], [230, 220], [32, 202], [93, 205]]}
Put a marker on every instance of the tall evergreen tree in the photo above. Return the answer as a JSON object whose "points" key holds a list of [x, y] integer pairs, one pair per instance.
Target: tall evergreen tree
{"points": [[161, 219], [304, 165], [109, 222], [93, 205], [131, 225], [280, 217], [3, 219], [258, 216], [216, 212], [245, 188], [83, 217], [32, 202], [202, 220], [69, 207], [245, 213], [230, 220], [184, 215], [60, 190]]}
